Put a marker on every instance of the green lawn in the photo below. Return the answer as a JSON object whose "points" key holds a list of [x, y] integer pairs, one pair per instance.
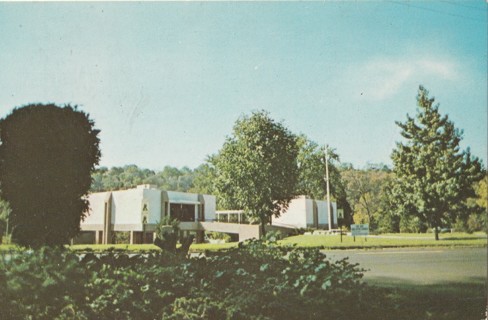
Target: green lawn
{"points": [[441, 235], [396, 240], [324, 241]]}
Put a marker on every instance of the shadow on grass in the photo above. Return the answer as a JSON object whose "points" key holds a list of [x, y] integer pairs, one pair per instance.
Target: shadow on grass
{"points": [[402, 282], [442, 300], [461, 238]]}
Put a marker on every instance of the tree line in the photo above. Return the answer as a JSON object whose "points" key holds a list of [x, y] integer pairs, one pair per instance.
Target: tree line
{"points": [[432, 184], [389, 199], [363, 193], [48, 156], [129, 176]]}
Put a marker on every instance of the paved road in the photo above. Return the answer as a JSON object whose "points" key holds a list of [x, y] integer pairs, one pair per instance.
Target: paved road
{"points": [[419, 265]]}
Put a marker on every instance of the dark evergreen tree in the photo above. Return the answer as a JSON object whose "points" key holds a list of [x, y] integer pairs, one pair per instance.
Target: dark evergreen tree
{"points": [[46, 156], [434, 178]]}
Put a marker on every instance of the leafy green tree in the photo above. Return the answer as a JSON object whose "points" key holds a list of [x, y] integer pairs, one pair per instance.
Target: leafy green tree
{"points": [[365, 189], [481, 190], [204, 178], [434, 178], [387, 219], [311, 164], [104, 179], [46, 156], [173, 179], [256, 169], [97, 179], [476, 218], [311, 181], [129, 176], [133, 176]]}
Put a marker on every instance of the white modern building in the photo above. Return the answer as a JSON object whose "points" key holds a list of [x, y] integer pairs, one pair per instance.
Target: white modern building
{"points": [[136, 212], [139, 210], [302, 212]]}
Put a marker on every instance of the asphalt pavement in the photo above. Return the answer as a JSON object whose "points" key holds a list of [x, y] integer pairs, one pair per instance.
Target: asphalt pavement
{"points": [[419, 265]]}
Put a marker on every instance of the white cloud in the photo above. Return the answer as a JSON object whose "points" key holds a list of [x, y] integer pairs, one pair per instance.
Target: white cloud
{"points": [[381, 78], [443, 68]]}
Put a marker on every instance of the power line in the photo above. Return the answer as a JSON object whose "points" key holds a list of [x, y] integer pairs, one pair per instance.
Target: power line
{"points": [[458, 4], [410, 5]]}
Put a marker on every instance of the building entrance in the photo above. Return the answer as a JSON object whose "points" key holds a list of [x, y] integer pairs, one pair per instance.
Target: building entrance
{"points": [[182, 212]]}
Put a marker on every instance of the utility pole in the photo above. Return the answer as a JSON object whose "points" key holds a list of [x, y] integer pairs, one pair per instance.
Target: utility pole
{"points": [[329, 213]]}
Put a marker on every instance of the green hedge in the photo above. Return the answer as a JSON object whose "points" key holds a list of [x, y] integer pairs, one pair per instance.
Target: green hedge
{"points": [[258, 280]]}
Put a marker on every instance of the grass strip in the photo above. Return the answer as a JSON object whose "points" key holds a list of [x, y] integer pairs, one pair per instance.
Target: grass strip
{"points": [[318, 241], [348, 242]]}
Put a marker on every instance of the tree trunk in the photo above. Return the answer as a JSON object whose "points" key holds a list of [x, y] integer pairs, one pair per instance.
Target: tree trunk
{"points": [[436, 231], [263, 227]]}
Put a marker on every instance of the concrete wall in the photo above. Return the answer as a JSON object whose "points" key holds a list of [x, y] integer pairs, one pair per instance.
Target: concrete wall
{"points": [[210, 207], [323, 212], [309, 210], [152, 198], [300, 213], [295, 216], [127, 207], [245, 231], [95, 215]]}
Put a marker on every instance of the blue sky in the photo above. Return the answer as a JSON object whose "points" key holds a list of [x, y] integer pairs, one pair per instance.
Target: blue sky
{"points": [[165, 81]]}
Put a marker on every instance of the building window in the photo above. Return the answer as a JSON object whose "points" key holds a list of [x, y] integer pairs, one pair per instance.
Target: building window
{"points": [[183, 212]]}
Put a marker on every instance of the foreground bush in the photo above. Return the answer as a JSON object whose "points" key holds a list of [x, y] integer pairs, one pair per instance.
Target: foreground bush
{"points": [[255, 281]]}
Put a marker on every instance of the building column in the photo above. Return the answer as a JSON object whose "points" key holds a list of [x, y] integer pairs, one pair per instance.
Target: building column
{"points": [[200, 237], [107, 226]]}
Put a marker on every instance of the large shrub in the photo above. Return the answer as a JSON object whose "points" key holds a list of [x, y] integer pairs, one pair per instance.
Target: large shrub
{"points": [[46, 156], [256, 281], [43, 284]]}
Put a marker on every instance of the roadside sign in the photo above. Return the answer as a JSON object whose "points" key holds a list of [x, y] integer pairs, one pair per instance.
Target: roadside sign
{"points": [[359, 229]]}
